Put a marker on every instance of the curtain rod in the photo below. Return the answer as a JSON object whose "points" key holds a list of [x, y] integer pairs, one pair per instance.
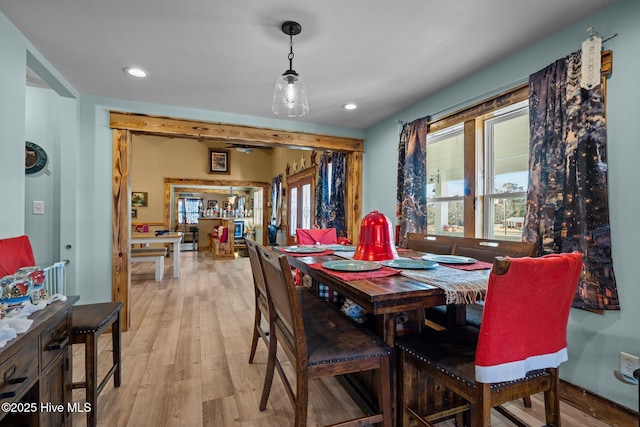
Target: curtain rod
{"points": [[522, 80]]}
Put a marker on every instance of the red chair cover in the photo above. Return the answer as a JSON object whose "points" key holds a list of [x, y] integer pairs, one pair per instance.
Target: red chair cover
{"points": [[15, 252], [224, 235], [524, 323], [312, 236]]}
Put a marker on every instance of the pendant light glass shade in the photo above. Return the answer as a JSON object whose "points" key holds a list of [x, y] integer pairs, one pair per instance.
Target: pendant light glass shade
{"points": [[290, 96]]}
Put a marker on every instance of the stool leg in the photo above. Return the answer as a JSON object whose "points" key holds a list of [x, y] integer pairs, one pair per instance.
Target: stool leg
{"points": [[91, 377], [115, 343]]}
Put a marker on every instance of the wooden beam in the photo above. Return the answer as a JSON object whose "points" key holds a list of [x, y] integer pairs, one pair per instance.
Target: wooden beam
{"points": [[246, 135], [120, 273]]}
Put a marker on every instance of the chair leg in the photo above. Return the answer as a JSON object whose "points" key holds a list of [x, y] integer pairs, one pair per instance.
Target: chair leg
{"points": [[526, 401], [552, 400], [302, 399], [481, 410], [254, 339], [386, 407], [268, 377]]}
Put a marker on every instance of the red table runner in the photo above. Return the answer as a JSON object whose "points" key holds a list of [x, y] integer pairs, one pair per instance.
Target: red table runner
{"points": [[359, 275], [323, 253]]}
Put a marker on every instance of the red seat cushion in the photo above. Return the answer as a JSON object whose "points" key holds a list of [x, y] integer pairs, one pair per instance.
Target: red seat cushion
{"points": [[15, 252]]}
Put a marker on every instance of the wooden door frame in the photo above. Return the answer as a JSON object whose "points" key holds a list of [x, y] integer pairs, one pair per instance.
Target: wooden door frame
{"points": [[124, 125]]}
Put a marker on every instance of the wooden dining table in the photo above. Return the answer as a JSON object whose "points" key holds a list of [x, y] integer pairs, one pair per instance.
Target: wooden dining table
{"points": [[172, 238], [387, 297]]}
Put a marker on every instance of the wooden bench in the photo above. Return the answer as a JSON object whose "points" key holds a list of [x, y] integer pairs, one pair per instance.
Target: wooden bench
{"points": [[155, 255]]}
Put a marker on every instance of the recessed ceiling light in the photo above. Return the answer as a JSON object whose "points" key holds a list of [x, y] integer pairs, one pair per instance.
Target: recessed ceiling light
{"points": [[136, 72], [350, 106]]}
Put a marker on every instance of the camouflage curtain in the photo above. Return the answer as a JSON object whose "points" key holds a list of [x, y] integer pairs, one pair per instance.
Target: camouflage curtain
{"points": [[567, 200], [330, 210], [411, 195]]}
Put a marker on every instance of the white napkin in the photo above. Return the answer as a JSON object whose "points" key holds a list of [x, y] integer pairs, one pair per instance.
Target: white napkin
{"points": [[17, 323], [6, 334], [30, 308]]}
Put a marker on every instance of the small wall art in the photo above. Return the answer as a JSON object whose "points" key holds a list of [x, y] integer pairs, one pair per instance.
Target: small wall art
{"points": [[218, 161], [139, 199]]}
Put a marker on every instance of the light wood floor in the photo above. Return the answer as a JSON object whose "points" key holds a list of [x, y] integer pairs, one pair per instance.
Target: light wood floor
{"points": [[185, 359]]}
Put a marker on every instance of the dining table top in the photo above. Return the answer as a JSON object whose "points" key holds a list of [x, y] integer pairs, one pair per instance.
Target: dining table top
{"points": [[407, 290]]}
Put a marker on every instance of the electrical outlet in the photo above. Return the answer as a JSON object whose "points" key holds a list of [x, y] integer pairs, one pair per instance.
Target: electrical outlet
{"points": [[628, 364]]}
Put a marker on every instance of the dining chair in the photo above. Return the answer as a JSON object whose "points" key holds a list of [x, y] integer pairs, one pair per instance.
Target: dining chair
{"points": [[435, 244], [319, 236], [318, 341], [502, 361], [483, 250], [316, 236], [261, 312]]}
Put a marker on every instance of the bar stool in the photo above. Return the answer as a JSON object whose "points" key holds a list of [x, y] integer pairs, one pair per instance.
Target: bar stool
{"points": [[88, 322]]}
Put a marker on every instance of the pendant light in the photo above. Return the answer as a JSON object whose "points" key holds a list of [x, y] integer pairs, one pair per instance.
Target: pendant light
{"points": [[231, 198], [290, 97]]}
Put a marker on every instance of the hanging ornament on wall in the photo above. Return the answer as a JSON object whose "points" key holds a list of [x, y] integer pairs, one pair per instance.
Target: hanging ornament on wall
{"points": [[35, 158]]}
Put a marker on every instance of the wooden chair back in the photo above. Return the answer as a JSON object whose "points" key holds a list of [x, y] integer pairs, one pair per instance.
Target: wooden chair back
{"points": [[487, 249], [435, 244], [503, 361], [313, 236], [261, 312], [285, 315], [538, 292], [319, 341]]}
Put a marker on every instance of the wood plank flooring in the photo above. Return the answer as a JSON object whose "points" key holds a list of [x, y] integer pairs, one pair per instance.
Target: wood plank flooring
{"points": [[185, 359]]}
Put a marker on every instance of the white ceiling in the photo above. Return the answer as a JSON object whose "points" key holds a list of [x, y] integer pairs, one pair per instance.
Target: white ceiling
{"points": [[227, 55]]}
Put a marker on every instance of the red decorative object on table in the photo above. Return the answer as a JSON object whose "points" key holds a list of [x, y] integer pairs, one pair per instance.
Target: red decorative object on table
{"points": [[376, 239]]}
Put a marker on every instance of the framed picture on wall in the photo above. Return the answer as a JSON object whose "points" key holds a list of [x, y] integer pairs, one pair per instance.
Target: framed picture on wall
{"points": [[134, 213], [212, 204], [218, 161], [139, 199]]}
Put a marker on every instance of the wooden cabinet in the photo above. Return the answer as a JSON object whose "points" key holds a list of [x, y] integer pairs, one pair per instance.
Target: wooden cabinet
{"points": [[35, 370]]}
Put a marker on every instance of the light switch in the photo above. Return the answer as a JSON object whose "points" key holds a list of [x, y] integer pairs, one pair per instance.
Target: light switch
{"points": [[37, 207]]}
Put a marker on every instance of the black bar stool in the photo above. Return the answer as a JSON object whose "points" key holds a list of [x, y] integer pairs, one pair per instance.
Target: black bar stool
{"points": [[88, 322]]}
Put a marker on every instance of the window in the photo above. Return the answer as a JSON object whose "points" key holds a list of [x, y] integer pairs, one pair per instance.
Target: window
{"points": [[445, 181], [189, 210], [477, 169], [258, 210], [300, 191], [506, 172]]}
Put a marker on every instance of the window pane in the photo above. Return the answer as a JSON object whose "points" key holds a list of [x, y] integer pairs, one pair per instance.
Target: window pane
{"points": [[507, 217], [508, 135], [293, 202], [306, 206], [445, 218], [445, 163]]}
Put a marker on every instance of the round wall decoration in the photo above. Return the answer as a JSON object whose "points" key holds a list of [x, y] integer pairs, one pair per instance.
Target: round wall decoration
{"points": [[35, 158]]}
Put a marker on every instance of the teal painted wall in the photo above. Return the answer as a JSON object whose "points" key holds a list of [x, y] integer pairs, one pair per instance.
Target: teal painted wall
{"points": [[595, 341]]}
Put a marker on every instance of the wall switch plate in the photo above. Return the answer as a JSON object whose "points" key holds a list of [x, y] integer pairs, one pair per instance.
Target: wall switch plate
{"points": [[37, 207], [628, 364]]}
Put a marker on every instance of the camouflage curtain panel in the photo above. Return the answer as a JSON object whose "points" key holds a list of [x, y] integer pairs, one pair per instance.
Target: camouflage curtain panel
{"points": [[567, 200], [276, 201], [411, 196], [330, 211]]}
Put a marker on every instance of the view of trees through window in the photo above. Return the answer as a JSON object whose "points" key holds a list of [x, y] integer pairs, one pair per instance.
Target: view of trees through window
{"points": [[486, 189]]}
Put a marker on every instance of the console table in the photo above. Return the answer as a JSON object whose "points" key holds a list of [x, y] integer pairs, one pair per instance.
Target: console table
{"points": [[35, 371]]}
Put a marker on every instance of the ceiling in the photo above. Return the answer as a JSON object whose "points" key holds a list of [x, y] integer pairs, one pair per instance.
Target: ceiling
{"points": [[226, 55]]}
